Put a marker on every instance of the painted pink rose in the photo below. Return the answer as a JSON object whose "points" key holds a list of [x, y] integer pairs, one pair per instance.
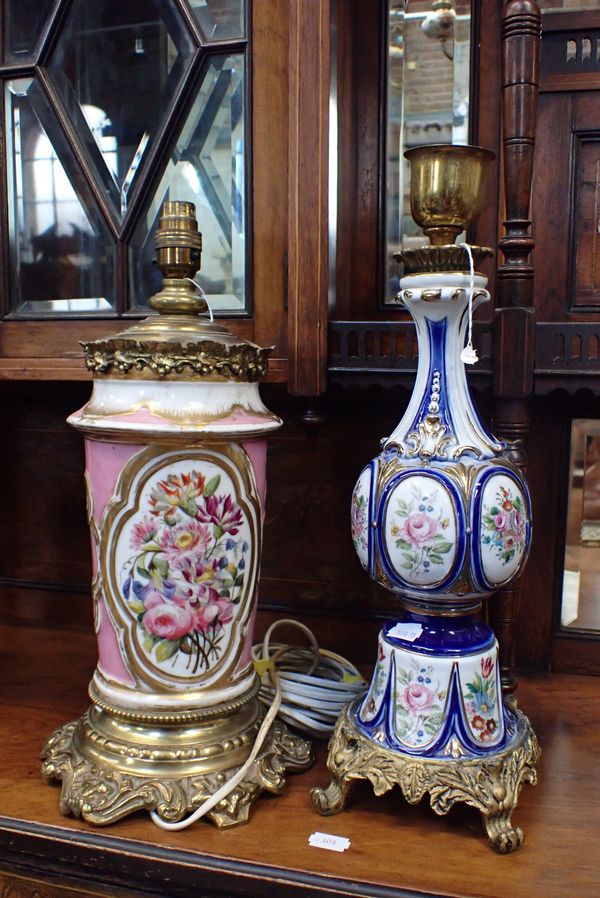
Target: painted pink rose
{"points": [[215, 613], [417, 698], [169, 621], [501, 521], [418, 528]]}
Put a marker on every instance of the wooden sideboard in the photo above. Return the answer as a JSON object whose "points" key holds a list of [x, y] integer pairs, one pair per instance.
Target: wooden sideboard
{"points": [[396, 850]]}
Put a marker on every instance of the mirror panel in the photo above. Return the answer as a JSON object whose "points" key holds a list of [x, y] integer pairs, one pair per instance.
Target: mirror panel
{"points": [[62, 254], [22, 23], [219, 19], [117, 68], [580, 605], [206, 167], [429, 51]]}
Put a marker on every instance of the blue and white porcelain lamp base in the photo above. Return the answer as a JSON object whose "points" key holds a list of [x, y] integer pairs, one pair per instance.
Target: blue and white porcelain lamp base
{"points": [[442, 518], [433, 722]]}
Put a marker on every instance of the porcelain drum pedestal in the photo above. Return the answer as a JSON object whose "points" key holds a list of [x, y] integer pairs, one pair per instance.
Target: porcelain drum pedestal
{"points": [[433, 722]]}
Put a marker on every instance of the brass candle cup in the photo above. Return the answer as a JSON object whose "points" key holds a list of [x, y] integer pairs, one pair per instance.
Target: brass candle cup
{"points": [[446, 189]]}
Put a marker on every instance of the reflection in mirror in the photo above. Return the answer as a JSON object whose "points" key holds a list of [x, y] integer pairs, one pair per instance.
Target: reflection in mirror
{"points": [[22, 24], [206, 167], [62, 255], [127, 59], [580, 606], [428, 102], [219, 20]]}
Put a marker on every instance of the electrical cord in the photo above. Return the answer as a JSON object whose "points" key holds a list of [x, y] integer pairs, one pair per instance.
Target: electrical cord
{"points": [[306, 687], [316, 684]]}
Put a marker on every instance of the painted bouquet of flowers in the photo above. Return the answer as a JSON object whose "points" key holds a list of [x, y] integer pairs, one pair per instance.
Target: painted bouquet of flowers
{"points": [[504, 524], [420, 535], [481, 701], [420, 705], [187, 573], [359, 512]]}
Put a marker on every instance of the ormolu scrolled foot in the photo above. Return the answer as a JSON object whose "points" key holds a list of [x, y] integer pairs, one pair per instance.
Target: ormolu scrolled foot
{"points": [[490, 783], [503, 836], [331, 800]]}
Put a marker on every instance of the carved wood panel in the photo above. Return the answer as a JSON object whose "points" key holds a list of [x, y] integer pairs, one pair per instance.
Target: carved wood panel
{"points": [[585, 233], [566, 207]]}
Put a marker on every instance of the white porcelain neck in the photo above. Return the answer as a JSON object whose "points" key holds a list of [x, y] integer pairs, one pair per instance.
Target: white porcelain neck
{"points": [[441, 421]]}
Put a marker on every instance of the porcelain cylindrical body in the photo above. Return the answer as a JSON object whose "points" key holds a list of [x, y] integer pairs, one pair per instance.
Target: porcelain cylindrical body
{"points": [[175, 477]]}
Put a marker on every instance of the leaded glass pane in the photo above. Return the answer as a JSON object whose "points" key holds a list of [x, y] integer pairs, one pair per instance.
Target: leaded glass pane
{"points": [[22, 24], [219, 19], [118, 67], [62, 254], [206, 167]]}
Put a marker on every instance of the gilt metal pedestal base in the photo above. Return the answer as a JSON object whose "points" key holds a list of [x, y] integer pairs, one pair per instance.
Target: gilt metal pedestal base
{"points": [[111, 767], [491, 784]]}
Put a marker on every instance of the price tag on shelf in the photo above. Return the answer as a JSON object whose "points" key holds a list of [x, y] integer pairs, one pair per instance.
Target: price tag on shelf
{"points": [[326, 840]]}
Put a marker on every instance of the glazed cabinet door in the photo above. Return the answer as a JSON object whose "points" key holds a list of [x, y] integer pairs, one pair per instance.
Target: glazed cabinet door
{"points": [[110, 109]]}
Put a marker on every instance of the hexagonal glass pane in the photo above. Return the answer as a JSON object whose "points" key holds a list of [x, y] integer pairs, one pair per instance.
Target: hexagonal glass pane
{"points": [[62, 253], [219, 19], [118, 67], [22, 24], [206, 167]]}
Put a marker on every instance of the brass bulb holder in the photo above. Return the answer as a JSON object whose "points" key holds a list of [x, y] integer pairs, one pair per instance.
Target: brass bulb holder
{"points": [[178, 256], [446, 188]]}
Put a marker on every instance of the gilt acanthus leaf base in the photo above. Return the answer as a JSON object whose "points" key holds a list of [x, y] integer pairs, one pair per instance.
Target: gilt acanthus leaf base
{"points": [[490, 784], [102, 793]]}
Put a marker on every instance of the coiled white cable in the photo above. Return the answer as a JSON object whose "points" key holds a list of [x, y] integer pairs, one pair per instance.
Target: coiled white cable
{"points": [[308, 689], [315, 683]]}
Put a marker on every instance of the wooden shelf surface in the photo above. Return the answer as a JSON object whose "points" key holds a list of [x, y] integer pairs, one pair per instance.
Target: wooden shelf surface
{"points": [[396, 849]]}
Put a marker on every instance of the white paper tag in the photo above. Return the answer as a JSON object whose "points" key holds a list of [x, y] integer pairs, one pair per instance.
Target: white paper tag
{"points": [[326, 840], [409, 632], [469, 356]]}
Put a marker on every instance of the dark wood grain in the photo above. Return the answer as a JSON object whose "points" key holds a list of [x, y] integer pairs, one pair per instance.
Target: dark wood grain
{"points": [[308, 256], [271, 856], [270, 49], [361, 96]]}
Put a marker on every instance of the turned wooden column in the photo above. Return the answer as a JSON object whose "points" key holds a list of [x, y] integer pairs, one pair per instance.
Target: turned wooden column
{"points": [[514, 326]]}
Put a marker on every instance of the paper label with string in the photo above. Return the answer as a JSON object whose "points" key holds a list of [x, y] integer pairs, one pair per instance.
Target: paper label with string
{"points": [[469, 355]]}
